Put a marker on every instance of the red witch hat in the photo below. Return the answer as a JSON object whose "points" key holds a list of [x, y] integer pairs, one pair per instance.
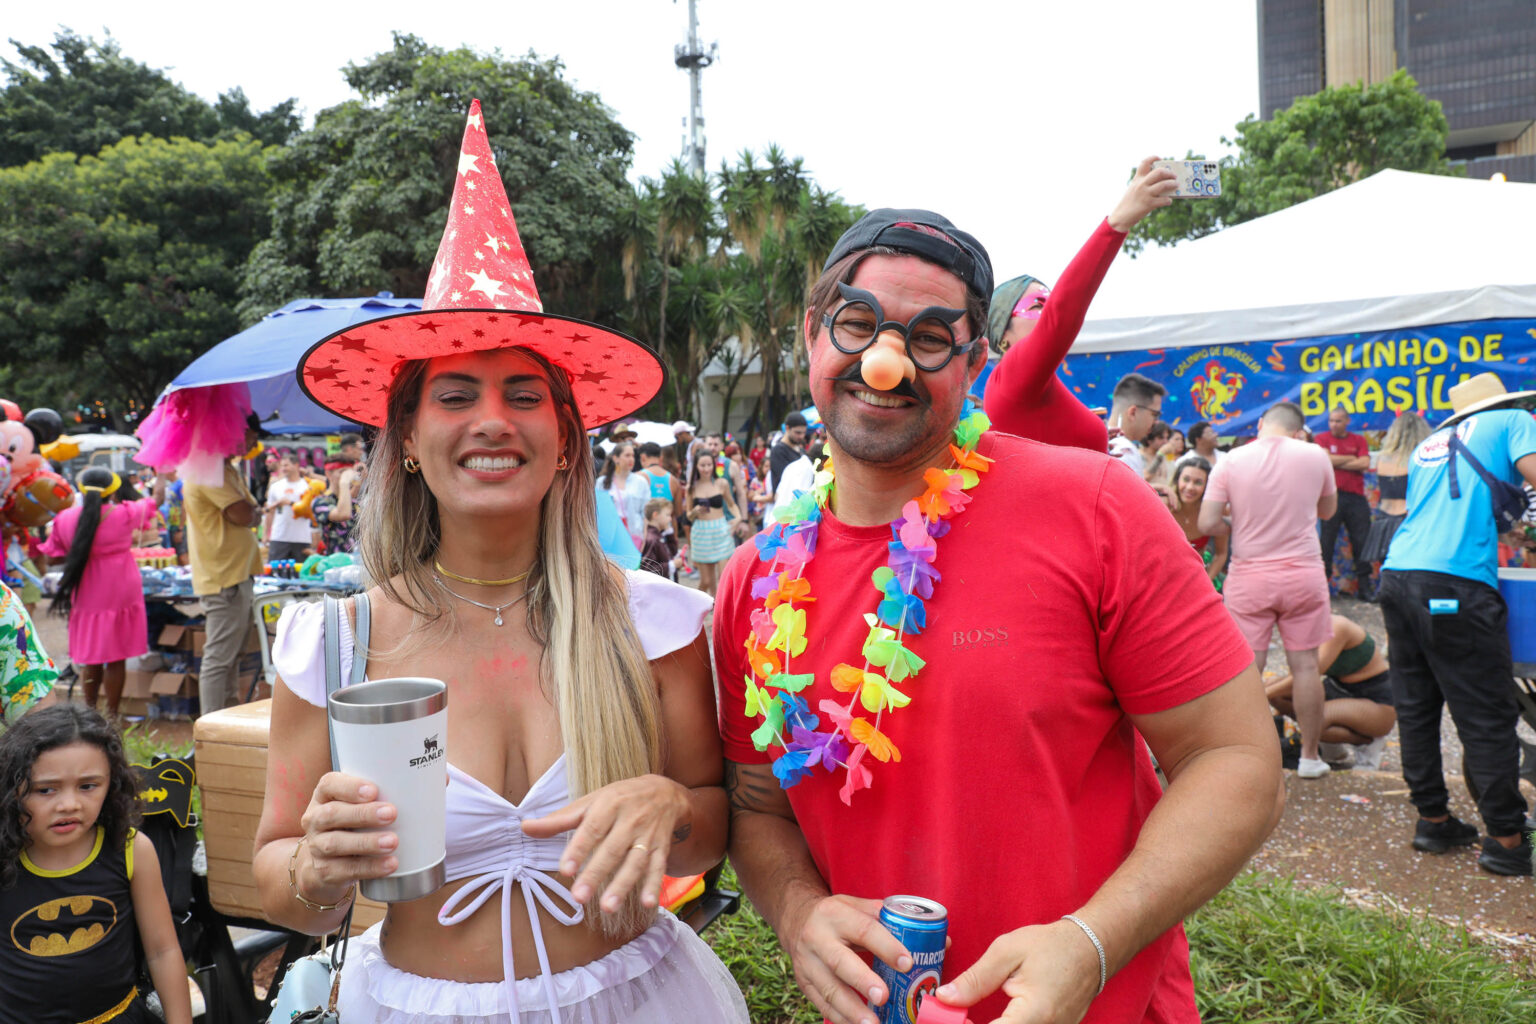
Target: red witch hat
{"points": [[480, 295]]}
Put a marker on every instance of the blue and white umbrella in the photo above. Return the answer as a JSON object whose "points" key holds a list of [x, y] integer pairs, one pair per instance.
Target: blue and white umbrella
{"points": [[265, 355]]}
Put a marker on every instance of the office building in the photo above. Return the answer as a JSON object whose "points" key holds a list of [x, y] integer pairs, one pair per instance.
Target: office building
{"points": [[1476, 57]]}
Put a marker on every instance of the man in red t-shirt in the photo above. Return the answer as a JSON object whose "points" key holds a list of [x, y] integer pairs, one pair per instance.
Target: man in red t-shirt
{"points": [[1351, 457], [1015, 786]]}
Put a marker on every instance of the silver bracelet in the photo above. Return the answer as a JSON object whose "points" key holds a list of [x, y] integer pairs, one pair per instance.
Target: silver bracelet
{"points": [[1097, 945]]}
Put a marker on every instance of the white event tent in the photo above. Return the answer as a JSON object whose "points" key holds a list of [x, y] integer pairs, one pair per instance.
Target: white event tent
{"points": [[1395, 250]]}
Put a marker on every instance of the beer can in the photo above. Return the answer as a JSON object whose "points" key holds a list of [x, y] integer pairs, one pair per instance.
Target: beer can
{"points": [[920, 925]]}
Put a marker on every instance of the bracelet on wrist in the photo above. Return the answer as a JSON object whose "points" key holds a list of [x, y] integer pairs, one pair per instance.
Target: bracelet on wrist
{"points": [[1098, 948], [293, 883]]}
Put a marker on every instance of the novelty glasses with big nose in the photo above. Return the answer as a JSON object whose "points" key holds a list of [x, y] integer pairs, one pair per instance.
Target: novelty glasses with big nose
{"points": [[929, 336]]}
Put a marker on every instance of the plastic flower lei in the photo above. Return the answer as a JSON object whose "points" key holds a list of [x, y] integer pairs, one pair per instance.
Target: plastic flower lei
{"points": [[871, 682]]}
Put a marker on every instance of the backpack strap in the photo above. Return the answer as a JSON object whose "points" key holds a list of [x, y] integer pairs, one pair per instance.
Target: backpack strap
{"points": [[1459, 447]]}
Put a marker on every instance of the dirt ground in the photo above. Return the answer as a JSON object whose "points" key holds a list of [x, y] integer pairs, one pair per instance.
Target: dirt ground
{"points": [[1353, 829]]}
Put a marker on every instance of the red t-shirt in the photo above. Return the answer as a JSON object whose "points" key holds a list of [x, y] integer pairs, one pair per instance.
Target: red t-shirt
{"points": [[1350, 480], [1024, 395], [1022, 785]]}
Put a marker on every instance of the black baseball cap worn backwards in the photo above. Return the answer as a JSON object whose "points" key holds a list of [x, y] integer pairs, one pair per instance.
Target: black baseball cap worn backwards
{"points": [[908, 231]]}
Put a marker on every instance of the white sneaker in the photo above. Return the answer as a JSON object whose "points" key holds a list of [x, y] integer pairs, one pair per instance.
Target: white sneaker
{"points": [[1310, 769], [1368, 755]]}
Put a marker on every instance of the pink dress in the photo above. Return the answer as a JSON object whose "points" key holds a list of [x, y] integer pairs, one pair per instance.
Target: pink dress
{"points": [[106, 618]]}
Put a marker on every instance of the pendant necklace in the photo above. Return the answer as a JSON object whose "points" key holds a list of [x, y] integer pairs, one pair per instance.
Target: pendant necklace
{"points": [[488, 607]]}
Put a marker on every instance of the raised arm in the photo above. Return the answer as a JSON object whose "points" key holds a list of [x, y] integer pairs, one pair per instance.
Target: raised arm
{"points": [[1026, 369]]}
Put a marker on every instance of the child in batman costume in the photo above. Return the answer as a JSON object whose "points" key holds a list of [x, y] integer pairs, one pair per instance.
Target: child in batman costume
{"points": [[77, 882]]}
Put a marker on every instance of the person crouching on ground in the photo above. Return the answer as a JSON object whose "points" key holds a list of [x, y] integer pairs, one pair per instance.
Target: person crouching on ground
{"points": [[1357, 706]]}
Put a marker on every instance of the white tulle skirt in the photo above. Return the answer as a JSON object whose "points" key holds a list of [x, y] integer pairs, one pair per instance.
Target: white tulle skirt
{"points": [[664, 976]]}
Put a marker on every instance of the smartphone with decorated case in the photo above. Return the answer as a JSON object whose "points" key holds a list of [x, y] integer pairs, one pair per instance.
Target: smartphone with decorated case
{"points": [[1197, 179]]}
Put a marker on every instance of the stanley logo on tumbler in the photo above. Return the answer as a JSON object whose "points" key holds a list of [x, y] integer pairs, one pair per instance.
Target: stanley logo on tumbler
{"points": [[430, 752]]}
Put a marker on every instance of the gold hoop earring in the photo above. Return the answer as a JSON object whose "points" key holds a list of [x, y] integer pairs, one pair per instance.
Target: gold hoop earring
{"points": [[411, 465], [562, 463]]}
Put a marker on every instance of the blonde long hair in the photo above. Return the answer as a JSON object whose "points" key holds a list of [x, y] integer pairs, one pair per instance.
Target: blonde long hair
{"points": [[578, 604], [1407, 430]]}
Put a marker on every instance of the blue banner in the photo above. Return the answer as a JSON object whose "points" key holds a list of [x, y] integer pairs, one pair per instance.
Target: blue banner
{"points": [[1372, 376]]}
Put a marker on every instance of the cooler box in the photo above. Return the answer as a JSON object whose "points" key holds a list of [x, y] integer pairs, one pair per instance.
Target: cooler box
{"points": [[231, 752], [1518, 586]]}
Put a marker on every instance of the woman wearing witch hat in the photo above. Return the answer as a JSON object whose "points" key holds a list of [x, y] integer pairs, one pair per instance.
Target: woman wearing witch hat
{"points": [[584, 761]]}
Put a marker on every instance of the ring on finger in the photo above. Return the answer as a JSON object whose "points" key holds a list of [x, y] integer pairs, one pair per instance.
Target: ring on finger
{"points": [[641, 847]]}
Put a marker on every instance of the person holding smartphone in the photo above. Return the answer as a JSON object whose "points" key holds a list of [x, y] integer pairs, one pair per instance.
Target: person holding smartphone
{"points": [[1033, 327]]}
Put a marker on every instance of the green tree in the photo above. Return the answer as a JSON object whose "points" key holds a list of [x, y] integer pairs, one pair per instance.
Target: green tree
{"points": [[84, 95], [1321, 142], [717, 271], [116, 270], [361, 198]]}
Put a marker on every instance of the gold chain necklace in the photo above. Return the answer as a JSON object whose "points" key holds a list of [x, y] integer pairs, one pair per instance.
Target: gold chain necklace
{"points": [[481, 583]]}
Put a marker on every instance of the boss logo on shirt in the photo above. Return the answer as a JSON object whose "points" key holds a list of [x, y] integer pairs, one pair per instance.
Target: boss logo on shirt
{"points": [[970, 639], [430, 752]]}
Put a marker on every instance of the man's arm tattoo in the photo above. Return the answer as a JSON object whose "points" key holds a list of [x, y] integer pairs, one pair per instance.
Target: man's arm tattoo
{"points": [[753, 788], [682, 832]]}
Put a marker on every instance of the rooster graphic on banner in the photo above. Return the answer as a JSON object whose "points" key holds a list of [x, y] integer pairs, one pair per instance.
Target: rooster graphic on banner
{"points": [[1215, 392]]}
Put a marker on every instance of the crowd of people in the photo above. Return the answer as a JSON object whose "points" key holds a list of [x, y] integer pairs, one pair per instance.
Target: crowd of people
{"points": [[718, 494], [919, 656], [95, 546], [1271, 508]]}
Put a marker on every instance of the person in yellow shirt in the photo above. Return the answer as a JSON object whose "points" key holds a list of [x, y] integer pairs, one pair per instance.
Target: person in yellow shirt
{"points": [[224, 556]]}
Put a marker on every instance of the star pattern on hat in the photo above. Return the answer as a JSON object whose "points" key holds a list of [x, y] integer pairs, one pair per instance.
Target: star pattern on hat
{"points": [[480, 266], [483, 283]]}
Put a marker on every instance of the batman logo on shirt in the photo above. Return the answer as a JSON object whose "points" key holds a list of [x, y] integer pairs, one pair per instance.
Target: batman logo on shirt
{"points": [[70, 924]]}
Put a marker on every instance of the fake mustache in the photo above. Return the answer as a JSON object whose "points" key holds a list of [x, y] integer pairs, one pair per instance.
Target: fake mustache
{"points": [[904, 389]]}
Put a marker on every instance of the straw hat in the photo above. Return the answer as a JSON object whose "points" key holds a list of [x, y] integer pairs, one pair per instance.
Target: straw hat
{"points": [[480, 296], [1485, 391]]}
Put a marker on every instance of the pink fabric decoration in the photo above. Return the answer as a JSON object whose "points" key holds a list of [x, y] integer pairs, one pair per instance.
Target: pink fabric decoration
{"points": [[195, 431]]}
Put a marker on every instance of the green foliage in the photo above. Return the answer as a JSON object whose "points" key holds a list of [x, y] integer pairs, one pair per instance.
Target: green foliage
{"points": [[84, 96], [1264, 950], [116, 270], [360, 199], [719, 269], [1320, 143]]}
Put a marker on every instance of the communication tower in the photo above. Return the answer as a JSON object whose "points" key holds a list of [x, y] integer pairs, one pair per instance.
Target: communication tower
{"points": [[694, 58]]}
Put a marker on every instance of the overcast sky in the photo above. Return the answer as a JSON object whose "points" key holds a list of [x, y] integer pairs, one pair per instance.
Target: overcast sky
{"points": [[1020, 124]]}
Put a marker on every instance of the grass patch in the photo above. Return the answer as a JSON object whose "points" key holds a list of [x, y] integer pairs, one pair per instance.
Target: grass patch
{"points": [[1263, 952], [1266, 950], [143, 745], [750, 951]]}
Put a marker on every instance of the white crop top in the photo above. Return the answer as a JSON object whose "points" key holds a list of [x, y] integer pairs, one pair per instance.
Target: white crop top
{"points": [[485, 837]]}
